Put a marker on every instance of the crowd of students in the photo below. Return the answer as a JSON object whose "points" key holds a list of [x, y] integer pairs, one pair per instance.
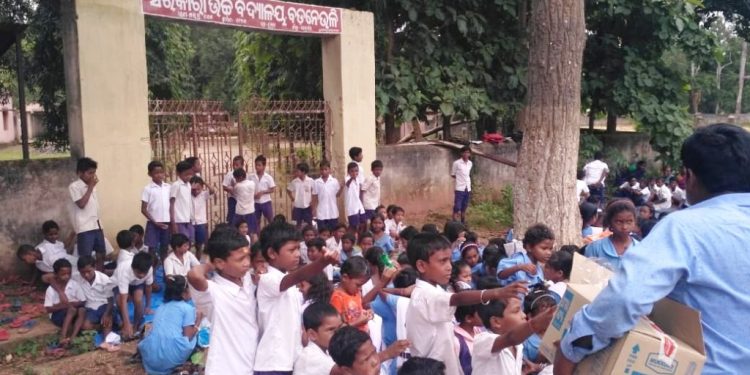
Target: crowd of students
{"points": [[313, 295]]}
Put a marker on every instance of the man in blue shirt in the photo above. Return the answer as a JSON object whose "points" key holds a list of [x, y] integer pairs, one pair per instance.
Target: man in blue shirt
{"points": [[698, 257]]}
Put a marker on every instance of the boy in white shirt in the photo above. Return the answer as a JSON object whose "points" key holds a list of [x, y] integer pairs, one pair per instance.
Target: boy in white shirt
{"points": [[499, 350], [64, 300], [244, 193], [201, 194], [661, 197], [280, 301], [461, 172], [582, 190], [353, 202], [155, 206], [300, 191], [264, 186], [138, 238], [97, 290], [395, 225], [596, 173], [355, 153], [181, 201], [429, 322], [85, 209], [321, 321], [334, 242], [228, 184], [315, 250], [133, 279], [371, 190], [180, 260], [228, 299], [51, 245], [325, 192]]}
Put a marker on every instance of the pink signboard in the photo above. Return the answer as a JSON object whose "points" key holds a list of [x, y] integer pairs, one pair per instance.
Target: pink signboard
{"points": [[269, 15]]}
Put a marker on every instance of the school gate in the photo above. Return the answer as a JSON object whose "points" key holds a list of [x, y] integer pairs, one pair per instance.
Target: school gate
{"points": [[108, 107], [286, 132]]}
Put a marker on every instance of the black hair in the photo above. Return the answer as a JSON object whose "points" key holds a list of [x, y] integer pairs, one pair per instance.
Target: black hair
{"points": [[197, 180], [372, 255], [110, 266], [339, 226], [153, 165], [351, 166], [85, 164], [324, 229], [239, 223], [536, 234], [719, 155], [618, 206], [422, 366], [255, 249], [314, 314], [376, 164], [408, 233], [308, 228], [468, 245], [223, 241], [364, 235], [598, 155], [192, 160], [239, 174], [60, 264], [175, 286], [588, 212], [345, 343], [355, 267], [260, 159], [405, 278], [562, 260], [320, 288], [279, 219], [471, 236], [142, 262], [537, 300], [275, 235], [49, 225], [403, 260], [487, 282], [354, 152], [580, 174], [389, 209], [492, 309], [177, 240], [571, 249], [396, 210], [316, 242], [303, 167], [85, 261], [183, 166], [492, 255], [137, 229], [466, 310], [24, 250], [456, 269], [238, 158], [464, 149], [423, 245], [324, 164], [430, 228], [452, 229], [349, 237], [125, 239]]}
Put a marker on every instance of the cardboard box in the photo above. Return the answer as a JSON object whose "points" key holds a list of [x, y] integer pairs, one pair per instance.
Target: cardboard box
{"points": [[669, 341]]}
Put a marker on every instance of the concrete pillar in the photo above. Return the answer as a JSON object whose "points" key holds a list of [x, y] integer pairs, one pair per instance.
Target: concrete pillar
{"points": [[349, 88], [107, 92]]}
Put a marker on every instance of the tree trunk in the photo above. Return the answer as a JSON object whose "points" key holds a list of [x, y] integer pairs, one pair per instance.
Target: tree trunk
{"points": [[743, 60], [447, 131], [544, 186], [592, 120], [392, 134], [611, 122], [719, 68], [695, 92]]}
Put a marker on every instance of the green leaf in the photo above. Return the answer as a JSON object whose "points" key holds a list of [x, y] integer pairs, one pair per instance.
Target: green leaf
{"points": [[447, 108], [413, 15], [461, 24]]}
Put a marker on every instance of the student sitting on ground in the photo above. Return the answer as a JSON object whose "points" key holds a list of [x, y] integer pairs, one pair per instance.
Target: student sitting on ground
{"points": [[527, 265], [97, 289], [619, 217], [354, 354], [308, 234], [348, 249], [172, 338], [42, 261], [138, 238], [320, 321], [180, 260], [380, 238], [65, 301], [334, 243], [132, 279]]}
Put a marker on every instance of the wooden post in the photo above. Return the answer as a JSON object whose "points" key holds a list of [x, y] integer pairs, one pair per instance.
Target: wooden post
{"points": [[22, 96]]}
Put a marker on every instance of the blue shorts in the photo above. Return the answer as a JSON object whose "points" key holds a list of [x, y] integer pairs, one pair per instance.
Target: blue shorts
{"points": [[91, 241], [95, 316], [231, 207], [264, 210], [58, 317], [329, 224], [302, 215], [369, 214], [201, 233], [187, 230], [156, 237], [461, 201], [250, 219], [356, 220]]}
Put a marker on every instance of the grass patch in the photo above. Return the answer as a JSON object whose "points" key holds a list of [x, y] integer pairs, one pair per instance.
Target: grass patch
{"points": [[15, 152], [491, 211]]}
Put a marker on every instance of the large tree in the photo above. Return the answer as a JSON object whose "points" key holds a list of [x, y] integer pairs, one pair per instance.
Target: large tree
{"points": [[545, 177]]}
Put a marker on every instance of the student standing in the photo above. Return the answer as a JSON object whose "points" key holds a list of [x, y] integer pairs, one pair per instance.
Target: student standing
{"points": [[155, 203], [201, 194], [86, 211], [461, 172], [325, 192], [300, 191], [181, 201], [264, 187], [371, 190], [244, 193], [354, 210], [228, 185]]}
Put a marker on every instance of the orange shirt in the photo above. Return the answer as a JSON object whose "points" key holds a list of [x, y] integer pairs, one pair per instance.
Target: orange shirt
{"points": [[349, 306]]}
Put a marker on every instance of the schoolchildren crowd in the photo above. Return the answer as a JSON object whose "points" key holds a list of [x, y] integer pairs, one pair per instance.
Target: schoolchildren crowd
{"points": [[313, 295]]}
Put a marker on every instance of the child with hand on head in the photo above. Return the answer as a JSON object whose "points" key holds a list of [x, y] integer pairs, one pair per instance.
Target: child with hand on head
{"points": [[279, 307], [181, 201], [354, 354], [300, 191], [500, 349], [64, 301], [228, 299], [132, 279], [172, 338], [155, 206], [469, 325], [90, 237], [431, 309], [538, 242], [620, 218], [315, 250], [380, 237], [201, 193], [353, 202], [320, 321], [180, 260]]}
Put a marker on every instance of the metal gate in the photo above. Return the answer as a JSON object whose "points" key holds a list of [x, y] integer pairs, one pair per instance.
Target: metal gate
{"points": [[285, 132]]}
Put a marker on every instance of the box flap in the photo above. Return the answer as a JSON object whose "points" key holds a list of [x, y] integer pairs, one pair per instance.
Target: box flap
{"points": [[680, 321], [587, 291], [587, 271]]}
